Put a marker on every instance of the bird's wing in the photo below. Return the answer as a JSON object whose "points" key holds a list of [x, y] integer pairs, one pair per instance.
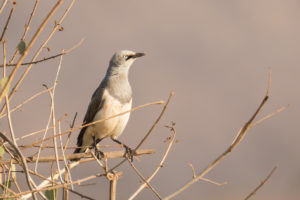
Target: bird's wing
{"points": [[95, 105]]}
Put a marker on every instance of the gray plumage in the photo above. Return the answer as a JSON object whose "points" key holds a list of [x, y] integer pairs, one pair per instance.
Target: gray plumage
{"points": [[113, 96]]}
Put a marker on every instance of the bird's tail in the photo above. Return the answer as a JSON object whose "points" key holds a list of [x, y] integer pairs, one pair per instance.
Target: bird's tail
{"points": [[79, 148]]}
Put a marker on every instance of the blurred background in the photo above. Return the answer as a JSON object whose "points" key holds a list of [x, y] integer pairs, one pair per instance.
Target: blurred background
{"points": [[215, 56]]}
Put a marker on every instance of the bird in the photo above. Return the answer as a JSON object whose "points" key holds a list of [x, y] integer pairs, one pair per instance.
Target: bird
{"points": [[113, 96]]}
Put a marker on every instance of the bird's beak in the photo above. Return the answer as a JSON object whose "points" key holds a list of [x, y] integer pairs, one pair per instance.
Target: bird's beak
{"points": [[136, 55]]}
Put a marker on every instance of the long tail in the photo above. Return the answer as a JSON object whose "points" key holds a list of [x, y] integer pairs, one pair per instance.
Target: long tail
{"points": [[79, 148]]}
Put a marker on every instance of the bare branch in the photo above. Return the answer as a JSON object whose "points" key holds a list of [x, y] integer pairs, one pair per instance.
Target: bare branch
{"points": [[150, 130], [30, 44], [143, 178], [3, 5], [261, 184], [24, 163], [234, 144], [50, 57], [26, 29], [112, 154], [160, 165], [7, 22], [95, 122]]}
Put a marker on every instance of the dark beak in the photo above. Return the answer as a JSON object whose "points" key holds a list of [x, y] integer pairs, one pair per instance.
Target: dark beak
{"points": [[136, 55]]}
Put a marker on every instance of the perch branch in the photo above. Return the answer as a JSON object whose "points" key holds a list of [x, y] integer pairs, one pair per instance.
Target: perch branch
{"points": [[112, 154]]}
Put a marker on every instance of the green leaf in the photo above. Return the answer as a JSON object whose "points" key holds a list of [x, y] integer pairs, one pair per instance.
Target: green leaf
{"points": [[2, 151], [22, 47], [3, 81], [51, 194]]}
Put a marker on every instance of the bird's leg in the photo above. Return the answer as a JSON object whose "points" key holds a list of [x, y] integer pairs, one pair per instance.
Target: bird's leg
{"points": [[98, 153], [129, 151]]}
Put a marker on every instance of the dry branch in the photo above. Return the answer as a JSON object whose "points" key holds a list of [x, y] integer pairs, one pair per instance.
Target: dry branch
{"points": [[95, 122], [150, 130], [234, 144], [159, 165], [261, 184], [30, 44], [112, 154], [7, 22], [23, 161]]}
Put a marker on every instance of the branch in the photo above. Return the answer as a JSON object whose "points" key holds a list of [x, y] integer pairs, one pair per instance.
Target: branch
{"points": [[48, 58], [24, 164], [143, 178], [261, 184], [234, 144], [30, 44], [160, 165], [95, 122], [112, 154], [7, 22], [151, 129]]}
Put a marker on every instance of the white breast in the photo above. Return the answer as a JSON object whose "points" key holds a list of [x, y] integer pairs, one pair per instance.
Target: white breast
{"points": [[115, 126]]}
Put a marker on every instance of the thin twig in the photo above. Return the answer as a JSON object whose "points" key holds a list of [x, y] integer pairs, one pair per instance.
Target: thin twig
{"points": [[26, 29], [95, 122], [7, 22], [25, 102], [24, 163], [234, 144], [150, 130], [3, 5], [29, 67], [269, 115], [30, 44], [261, 184], [156, 122], [69, 135], [143, 178], [38, 61], [160, 165]]}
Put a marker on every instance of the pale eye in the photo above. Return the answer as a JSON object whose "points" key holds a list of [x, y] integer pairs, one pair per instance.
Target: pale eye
{"points": [[125, 57]]}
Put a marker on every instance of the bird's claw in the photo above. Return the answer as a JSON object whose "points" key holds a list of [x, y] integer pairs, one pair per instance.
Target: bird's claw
{"points": [[99, 154], [129, 153]]}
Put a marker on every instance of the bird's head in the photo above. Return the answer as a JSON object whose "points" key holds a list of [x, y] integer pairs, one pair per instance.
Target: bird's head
{"points": [[124, 59]]}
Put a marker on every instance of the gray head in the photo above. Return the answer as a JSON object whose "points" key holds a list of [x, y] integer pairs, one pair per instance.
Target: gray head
{"points": [[122, 60]]}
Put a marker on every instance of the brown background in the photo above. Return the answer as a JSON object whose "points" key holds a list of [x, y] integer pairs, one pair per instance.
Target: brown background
{"points": [[215, 55]]}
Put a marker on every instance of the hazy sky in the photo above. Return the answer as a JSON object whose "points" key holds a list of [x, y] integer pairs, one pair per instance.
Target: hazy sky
{"points": [[215, 56]]}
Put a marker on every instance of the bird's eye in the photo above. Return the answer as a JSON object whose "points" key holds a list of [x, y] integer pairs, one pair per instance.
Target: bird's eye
{"points": [[125, 57]]}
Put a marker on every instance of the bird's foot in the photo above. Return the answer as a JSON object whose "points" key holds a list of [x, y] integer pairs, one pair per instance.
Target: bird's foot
{"points": [[129, 153], [99, 154]]}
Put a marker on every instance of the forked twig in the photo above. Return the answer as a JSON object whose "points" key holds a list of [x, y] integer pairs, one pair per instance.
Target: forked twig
{"points": [[143, 178], [160, 165]]}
